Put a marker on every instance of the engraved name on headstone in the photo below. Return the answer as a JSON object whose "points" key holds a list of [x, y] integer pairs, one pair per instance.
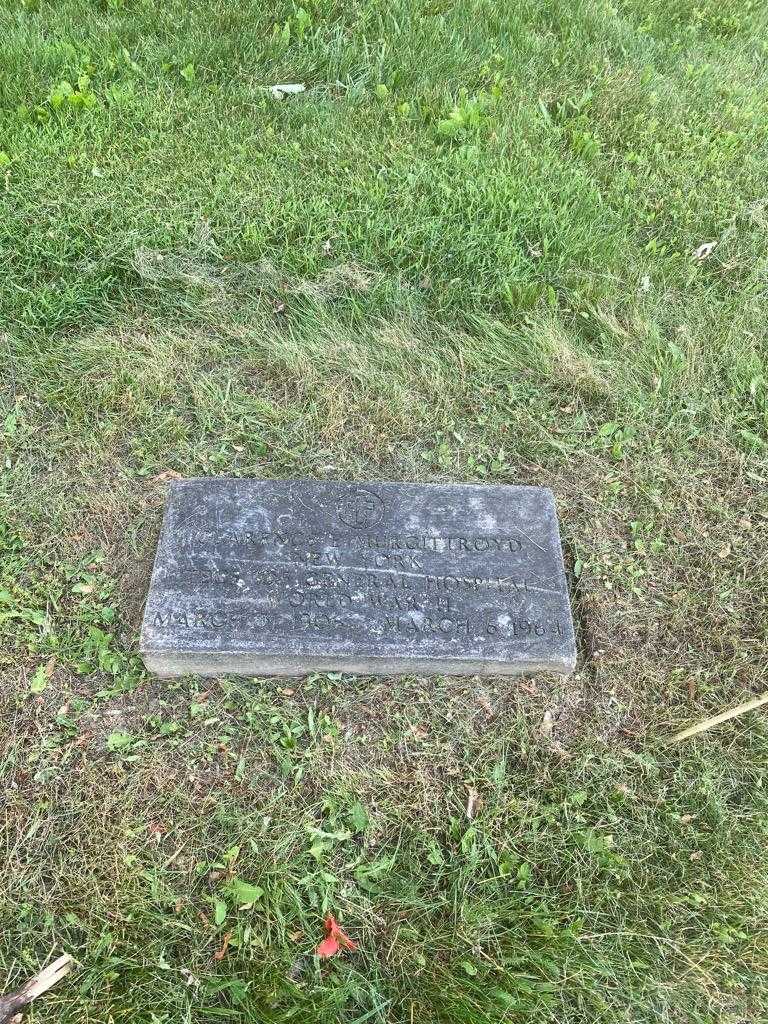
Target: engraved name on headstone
{"points": [[284, 577]]}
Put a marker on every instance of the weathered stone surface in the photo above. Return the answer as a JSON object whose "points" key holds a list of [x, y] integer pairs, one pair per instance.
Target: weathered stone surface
{"points": [[291, 576]]}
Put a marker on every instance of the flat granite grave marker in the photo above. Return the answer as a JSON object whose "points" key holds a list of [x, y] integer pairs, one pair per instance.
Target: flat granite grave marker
{"points": [[284, 577]]}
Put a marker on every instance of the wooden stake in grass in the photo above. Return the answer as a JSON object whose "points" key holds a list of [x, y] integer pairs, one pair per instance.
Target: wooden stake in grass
{"points": [[51, 975], [709, 723]]}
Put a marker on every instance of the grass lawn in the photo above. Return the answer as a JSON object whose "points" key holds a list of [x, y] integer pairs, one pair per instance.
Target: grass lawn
{"points": [[464, 253]]}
